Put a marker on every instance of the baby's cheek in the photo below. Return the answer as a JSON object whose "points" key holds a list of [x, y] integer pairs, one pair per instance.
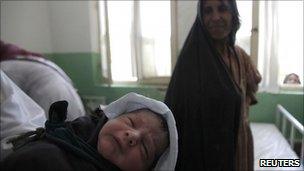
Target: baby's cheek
{"points": [[106, 148]]}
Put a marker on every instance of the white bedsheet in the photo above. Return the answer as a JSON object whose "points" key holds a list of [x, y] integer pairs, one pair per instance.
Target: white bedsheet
{"points": [[44, 84], [269, 143], [19, 113]]}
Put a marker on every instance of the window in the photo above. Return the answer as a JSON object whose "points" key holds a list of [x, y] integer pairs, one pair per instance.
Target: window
{"points": [[243, 36], [136, 40], [276, 46], [290, 40], [281, 42]]}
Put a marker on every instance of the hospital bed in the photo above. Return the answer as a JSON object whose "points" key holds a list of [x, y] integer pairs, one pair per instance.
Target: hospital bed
{"points": [[44, 82], [29, 85], [270, 142]]}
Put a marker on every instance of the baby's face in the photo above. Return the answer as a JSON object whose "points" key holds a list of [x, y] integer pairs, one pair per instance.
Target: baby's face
{"points": [[133, 140]]}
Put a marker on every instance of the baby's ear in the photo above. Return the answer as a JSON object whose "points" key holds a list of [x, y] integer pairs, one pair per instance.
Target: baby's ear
{"points": [[58, 111]]}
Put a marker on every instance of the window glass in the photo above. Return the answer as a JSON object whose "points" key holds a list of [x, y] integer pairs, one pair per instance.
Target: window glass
{"points": [[139, 39], [290, 44], [120, 20], [155, 33], [243, 35]]}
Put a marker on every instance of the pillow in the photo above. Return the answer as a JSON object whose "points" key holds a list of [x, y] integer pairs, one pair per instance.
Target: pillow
{"points": [[45, 83]]}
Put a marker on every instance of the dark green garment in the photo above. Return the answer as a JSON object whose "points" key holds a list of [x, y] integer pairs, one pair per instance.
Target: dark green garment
{"points": [[62, 145]]}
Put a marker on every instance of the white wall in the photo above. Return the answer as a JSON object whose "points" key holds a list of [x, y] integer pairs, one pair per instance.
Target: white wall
{"points": [[71, 26], [186, 13], [26, 23], [50, 26], [67, 26]]}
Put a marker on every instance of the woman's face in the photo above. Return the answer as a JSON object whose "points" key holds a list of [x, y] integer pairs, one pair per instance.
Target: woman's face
{"points": [[293, 79], [133, 140], [217, 18]]}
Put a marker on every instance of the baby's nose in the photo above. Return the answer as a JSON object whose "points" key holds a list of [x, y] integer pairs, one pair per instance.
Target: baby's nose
{"points": [[132, 137]]}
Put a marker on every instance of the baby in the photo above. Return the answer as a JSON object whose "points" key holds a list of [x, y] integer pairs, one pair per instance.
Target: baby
{"points": [[138, 137], [133, 133]]}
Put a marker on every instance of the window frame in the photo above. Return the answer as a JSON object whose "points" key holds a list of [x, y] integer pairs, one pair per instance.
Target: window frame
{"points": [[136, 59], [281, 87], [254, 38]]}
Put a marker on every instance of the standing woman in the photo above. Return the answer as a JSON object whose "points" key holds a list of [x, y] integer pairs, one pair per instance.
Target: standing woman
{"points": [[212, 86]]}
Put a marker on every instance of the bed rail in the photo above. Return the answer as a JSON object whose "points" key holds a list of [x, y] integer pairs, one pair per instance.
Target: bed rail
{"points": [[283, 115]]}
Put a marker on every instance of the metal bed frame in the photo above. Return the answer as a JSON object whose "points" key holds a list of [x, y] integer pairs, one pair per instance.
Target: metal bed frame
{"points": [[282, 116]]}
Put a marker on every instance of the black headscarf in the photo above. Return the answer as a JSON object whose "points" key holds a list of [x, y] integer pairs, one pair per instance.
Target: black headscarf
{"points": [[206, 104]]}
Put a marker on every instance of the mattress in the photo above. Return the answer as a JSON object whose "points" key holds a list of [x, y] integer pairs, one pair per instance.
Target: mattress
{"points": [[269, 143]]}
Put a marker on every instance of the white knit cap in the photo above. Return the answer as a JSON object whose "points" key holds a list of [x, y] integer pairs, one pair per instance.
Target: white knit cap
{"points": [[131, 102]]}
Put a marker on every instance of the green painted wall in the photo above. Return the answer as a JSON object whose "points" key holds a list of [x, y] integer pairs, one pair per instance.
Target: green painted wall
{"points": [[84, 70], [265, 109]]}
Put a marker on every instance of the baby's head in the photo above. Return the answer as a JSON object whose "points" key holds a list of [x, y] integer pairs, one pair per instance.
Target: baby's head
{"points": [[134, 140], [140, 134]]}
